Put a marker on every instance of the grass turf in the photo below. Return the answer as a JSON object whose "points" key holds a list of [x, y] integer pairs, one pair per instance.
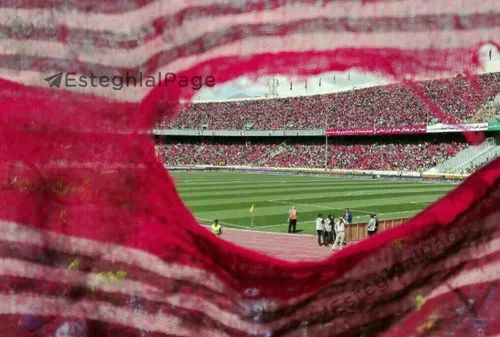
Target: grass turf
{"points": [[229, 196]]}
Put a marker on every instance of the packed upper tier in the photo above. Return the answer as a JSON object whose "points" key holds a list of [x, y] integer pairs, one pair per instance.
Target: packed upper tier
{"points": [[460, 98]]}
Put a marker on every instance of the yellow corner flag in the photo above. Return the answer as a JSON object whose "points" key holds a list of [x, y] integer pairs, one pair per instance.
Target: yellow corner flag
{"points": [[75, 264], [251, 209]]}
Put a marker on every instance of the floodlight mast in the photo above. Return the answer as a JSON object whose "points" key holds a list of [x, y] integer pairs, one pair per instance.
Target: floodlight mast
{"points": [[273, 84]]}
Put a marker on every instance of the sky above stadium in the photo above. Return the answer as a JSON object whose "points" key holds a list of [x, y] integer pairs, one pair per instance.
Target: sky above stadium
{"points": [[244, 87]]}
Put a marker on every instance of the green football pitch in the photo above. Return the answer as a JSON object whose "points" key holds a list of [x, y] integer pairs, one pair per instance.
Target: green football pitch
{"points": [[229, 197]]}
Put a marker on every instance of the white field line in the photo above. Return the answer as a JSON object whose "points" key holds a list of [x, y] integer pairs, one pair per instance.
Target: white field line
{"points": [[357, 210], [294, 181], [329, 178], [223, 223], [286, 224], [213, 181], [282, 201], [305, 198], [316, 206], [362, 193], [248, 229], [264, 232], [358, 193], [355, 193], [216, 181], [354, 217], [287, 179], [305, 205], [402, 212], [265, 184], [423, 202]]}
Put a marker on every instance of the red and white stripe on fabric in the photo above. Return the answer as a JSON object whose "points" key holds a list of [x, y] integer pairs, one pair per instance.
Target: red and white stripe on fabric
{"points": [[76, 183], [38, 41]]}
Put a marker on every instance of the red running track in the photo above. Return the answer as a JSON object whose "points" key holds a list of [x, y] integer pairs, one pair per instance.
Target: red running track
{"points": [[292, 247]]}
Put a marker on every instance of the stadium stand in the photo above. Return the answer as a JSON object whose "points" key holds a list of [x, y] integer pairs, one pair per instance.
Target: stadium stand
{"points": [[490, 112], [212, 154], [391, 105], [382, 154], [461, 98]]}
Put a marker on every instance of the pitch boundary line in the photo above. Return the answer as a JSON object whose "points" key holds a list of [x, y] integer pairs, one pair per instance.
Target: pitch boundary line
{"points": [[402, 212], [316, 206], [304, 198], [357, 210], [249, 229], [355, 217], [327, 176], [222, 223], [212, 181], [249, 181], [290, 203], [423, 202], [285, 224], [263, 232]]}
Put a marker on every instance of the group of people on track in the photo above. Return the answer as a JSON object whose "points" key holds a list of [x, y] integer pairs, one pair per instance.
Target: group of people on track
{"points": [[332, 231], [329, 230]]}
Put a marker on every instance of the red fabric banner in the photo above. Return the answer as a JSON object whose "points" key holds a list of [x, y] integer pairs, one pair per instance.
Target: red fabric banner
{"points": [[96, 242], [394, 130]]}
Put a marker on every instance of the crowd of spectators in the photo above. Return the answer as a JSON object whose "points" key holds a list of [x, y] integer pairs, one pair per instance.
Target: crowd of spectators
{"points": [[490, 112], [391, 105], [212, 154], [400, 156]]}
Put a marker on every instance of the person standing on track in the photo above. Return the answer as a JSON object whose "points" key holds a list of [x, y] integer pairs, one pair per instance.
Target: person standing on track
{"points": [[339, 234], [348, 216], [332, 219], [216, 228], [328, 230], [292, 220], [372, 225], [320, 227]]}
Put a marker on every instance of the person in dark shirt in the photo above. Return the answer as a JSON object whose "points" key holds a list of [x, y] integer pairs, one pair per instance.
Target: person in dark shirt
{"points": [[292, 220], [328, 230], [332, 219], [348, 216]]}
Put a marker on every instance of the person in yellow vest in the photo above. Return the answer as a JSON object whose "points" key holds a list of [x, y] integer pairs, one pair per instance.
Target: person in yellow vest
{"points": [[216, 228], [292, 220]]}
